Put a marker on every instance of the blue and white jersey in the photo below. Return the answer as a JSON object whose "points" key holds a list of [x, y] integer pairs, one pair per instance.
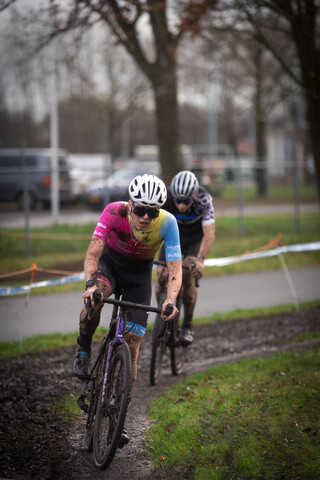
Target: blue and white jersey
{"points": [[200, 213]]}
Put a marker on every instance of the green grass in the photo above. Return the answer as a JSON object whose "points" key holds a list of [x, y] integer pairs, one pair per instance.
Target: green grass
{"points": [[278, 194], [60, 245], [66, 408], [64, 254], [258, 418], [40, 343]]}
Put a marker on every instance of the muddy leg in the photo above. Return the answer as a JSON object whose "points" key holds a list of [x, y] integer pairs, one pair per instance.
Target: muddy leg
{"points": [[133, 340], [88, 328], [190, 293]]}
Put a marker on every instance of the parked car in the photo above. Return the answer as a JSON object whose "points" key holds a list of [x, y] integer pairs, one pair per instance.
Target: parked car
{"points": [[30, 170], [115, 188]]}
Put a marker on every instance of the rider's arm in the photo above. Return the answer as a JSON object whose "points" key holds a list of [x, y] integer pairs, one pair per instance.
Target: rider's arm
{"points": [[173, 286], [205, 246], [91, 261], [170, 235]]}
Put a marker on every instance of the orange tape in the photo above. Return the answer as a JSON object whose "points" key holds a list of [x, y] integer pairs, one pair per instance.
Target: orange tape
{"points": [[274, 242], [20, 272], [33, 269]]}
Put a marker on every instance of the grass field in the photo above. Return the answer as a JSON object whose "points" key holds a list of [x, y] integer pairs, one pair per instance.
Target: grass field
{"points": [[64, 246], [257, 418]]}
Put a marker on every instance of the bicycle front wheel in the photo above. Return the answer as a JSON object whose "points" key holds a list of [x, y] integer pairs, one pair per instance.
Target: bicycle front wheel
{"points": [[92, 393], [112, 407]]}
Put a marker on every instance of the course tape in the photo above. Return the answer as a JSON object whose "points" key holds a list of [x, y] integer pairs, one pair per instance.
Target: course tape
{"points": [[210, 262], [46, 283], [300, 247]]}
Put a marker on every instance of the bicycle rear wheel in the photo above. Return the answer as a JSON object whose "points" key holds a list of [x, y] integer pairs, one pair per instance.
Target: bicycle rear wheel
{"points": [[112, 408], [158, 349], [159, 344], [178, 350]]}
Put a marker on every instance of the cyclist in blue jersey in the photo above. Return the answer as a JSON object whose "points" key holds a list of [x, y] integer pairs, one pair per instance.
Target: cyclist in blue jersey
{"points": [[120, 254], [192, 206]]}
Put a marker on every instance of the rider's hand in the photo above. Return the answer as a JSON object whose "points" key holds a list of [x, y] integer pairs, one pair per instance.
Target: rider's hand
{"points": [[197, 269], [89, 294], [175, 311]]}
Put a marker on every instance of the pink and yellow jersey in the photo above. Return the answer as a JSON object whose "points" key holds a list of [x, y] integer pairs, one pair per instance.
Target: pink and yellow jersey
{"points": [[115, 227]]}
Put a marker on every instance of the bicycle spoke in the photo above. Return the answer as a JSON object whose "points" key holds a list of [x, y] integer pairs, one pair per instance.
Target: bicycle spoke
{"points": [[92, 393], [112, 407]]}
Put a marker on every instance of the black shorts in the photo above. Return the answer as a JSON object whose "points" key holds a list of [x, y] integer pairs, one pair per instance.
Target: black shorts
{"points": [[135, 279]]}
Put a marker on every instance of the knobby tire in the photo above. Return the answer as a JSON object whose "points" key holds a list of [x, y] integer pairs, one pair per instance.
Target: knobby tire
{"points": [[177, 349], [159, 343], [92, 393], [157, 352], [111, 411]]}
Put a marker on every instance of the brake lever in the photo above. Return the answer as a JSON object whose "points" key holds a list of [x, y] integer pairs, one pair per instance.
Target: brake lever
{"points": [[96, 298]]}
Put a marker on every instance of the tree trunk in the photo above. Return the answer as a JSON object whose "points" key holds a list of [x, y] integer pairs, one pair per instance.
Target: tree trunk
{"points": [[260, 121], [165, 93], [261, 156], [313, 115]]}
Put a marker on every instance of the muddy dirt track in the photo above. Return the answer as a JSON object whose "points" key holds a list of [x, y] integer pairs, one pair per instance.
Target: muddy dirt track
{"points": [[36, 445]]}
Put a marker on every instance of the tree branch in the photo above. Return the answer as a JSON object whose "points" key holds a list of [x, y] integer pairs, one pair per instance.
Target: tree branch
{"points": [[262, 38], [5, 4]]}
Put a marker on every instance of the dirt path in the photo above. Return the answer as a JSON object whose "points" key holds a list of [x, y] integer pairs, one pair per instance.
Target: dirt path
{"points": [[36, 445]]}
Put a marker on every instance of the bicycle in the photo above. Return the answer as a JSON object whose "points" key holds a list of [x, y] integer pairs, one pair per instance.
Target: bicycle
{"points": [[166, 334], [106, 394]]}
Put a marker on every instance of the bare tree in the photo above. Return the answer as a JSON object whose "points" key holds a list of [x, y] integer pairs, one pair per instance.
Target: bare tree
{"points": [[126, 92], [105, 76], [5, 4], [249, 71], [167, 26], [92, 72], [298, 21]]}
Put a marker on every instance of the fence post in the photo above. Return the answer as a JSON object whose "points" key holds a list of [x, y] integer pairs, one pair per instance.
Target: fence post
{"points": [[240, 197], [26, 203]]}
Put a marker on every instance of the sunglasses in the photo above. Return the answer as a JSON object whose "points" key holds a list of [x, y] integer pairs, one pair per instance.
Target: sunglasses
{"points": [[141, 211], [185, 202]]}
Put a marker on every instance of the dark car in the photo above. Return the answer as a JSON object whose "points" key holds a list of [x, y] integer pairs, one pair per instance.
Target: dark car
{"points": [[115, 188], [28, 171]]}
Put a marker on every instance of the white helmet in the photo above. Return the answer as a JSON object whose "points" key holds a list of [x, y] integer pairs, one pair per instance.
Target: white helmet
{"points": [[184, 185], [148, 190]]}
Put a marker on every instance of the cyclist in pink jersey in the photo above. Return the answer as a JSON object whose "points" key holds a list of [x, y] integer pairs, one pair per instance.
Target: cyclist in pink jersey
{"points": [[120, 254]]}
